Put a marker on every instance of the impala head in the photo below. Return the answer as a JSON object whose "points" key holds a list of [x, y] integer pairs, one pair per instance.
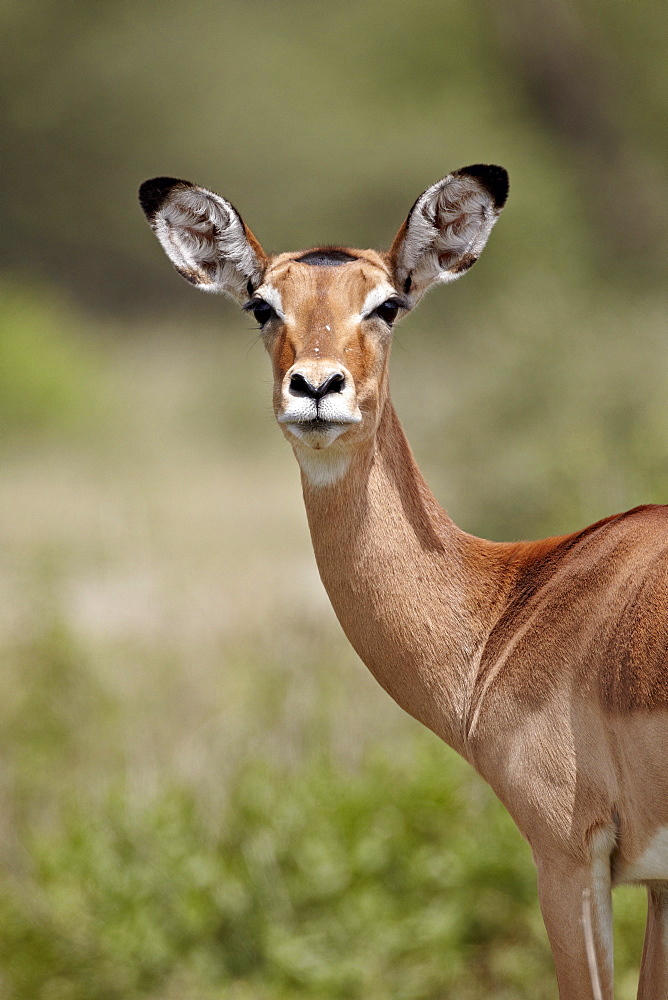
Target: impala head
{"points": [[326, 315]]}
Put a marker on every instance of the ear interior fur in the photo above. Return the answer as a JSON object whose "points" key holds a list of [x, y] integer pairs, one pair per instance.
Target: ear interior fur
{"points": [[203, 235], [447, 228]]}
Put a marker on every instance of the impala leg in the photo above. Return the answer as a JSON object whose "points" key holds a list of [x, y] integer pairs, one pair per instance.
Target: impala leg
{"points": [[653, 983], [560, 889]]}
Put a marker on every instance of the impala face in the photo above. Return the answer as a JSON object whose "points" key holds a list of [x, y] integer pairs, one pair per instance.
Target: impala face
{"points": [[326, 315], [326, 319]]}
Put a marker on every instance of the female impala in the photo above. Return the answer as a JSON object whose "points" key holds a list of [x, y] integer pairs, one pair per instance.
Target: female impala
{"points": [[543, 663]]}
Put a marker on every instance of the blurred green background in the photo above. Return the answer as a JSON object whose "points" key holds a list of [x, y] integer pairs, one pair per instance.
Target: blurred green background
{"points": [[202, 793]]}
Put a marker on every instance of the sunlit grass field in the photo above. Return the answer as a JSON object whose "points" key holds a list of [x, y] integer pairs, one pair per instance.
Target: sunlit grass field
{"points": [[202, 792]]}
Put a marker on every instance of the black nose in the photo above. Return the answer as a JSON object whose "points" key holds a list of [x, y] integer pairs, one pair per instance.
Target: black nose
{"points": [[301, 386]]}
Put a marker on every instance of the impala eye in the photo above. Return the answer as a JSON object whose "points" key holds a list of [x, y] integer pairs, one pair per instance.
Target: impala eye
{"points": [[261, 310], [388, 311]]}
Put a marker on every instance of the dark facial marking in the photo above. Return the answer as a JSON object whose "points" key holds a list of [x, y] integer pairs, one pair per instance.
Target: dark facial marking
{"points": [[326, 258]]}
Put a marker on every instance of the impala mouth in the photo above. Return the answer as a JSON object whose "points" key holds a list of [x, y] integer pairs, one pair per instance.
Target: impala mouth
{"points": [[317, 432], [315, 417], [318, 424], [314, 423]]}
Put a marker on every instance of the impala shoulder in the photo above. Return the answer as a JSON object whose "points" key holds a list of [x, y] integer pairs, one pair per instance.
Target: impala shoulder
{"points": [[587, 611]]}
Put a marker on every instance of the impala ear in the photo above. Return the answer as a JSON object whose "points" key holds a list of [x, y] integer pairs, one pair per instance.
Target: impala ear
{"points": [[203, 236], [447, 228]]}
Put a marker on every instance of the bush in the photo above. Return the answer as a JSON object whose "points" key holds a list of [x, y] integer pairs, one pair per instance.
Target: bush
{"points": [[403, 879]]}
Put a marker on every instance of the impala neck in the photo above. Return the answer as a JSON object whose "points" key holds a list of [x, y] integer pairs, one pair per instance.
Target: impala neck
{"points": [[415, 595]]}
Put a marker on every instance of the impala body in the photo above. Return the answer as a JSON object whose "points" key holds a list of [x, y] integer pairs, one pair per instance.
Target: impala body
{"points": [[544, 664]]}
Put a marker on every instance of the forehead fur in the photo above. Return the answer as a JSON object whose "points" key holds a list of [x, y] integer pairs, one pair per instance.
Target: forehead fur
{"points": [[301, 283], [319, 296], [369, 262]]}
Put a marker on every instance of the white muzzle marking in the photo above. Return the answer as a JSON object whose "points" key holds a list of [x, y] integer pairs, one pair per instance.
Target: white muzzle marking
{"points": [[318, 422]]}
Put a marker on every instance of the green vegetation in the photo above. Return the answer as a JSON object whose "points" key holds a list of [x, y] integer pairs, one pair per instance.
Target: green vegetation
{"points": [[399, 878], [46, 366]]}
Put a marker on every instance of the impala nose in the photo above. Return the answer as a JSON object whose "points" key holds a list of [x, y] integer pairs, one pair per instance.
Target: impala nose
{"points": [[300, 385]]}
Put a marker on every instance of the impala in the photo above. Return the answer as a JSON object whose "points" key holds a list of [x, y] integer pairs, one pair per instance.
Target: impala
{"points": [[543, 663]]}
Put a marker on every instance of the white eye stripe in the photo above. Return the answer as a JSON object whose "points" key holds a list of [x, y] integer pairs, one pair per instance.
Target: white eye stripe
{"points": [[271, 295], [376, 297]]}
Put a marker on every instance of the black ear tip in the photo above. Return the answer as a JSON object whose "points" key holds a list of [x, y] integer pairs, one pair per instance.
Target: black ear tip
{"points": [[152, 193], [494, 178]]}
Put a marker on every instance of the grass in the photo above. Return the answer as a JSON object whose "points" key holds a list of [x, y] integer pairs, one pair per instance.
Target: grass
{"points": [[318, 881], [401, 876]]}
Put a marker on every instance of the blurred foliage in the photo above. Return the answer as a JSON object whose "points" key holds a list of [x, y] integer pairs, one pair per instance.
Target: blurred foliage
{"points": [[48, 370], [318, 882], [525, 433], [322, 123]]}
